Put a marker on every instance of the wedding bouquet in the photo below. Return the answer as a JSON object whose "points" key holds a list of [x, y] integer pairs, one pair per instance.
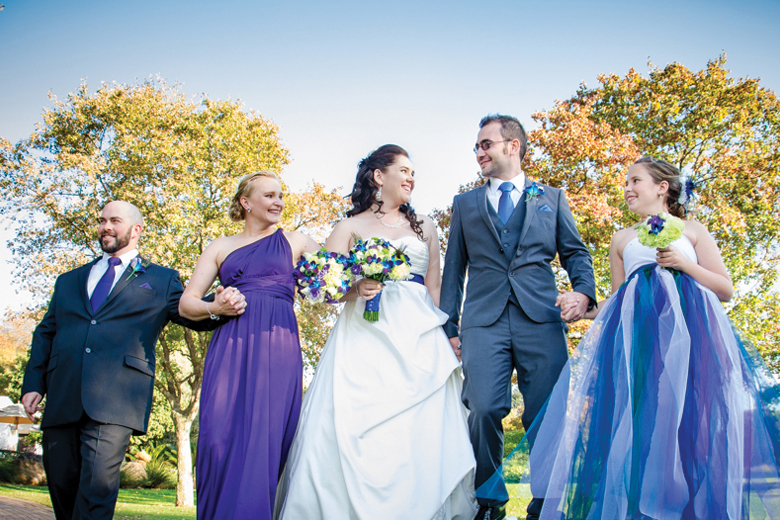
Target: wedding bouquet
{"points": [[323, 276], [660, 230], [378, 260]]}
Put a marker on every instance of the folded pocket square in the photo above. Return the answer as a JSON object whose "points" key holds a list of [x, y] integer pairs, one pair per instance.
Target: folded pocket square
{"points": [[146, 286], [545, 207]]}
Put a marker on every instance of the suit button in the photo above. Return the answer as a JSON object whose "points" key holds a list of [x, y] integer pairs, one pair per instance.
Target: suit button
{"points": [[93, 322], [506, 246], [505, 231], [87, 350], [501, 251]]}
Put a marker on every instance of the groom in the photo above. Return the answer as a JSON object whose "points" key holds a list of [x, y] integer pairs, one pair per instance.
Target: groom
{"points": [[507, 232]]}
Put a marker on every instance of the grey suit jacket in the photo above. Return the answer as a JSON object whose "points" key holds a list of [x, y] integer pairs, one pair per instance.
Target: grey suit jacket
{"points": [[547, 229]]}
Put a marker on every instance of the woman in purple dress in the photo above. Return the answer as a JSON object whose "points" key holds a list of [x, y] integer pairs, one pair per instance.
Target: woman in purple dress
{"points": [[251, 393]]}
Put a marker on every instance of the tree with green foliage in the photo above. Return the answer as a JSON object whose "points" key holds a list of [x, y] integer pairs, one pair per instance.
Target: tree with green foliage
{"points": [[178, 160]]}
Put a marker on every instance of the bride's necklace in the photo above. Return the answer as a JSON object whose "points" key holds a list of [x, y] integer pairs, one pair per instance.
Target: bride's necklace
{"points": [[393, 226]]}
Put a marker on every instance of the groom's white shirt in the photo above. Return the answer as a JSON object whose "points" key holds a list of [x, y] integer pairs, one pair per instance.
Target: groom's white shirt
{"points": [[493, 193]]}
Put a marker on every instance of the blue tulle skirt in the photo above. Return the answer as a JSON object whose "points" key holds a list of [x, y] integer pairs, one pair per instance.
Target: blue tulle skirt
{"points": [[661, 413]]}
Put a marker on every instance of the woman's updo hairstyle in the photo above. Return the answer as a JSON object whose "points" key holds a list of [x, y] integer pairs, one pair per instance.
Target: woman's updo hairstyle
{"points": [[364, 191], [245, 188], [661, 170]]}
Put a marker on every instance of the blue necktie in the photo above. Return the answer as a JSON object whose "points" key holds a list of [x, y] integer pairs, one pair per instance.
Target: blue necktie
{"points": [[105, 284], [505, 206]]}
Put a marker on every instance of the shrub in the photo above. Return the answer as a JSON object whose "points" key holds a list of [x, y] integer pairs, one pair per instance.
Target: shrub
{"points": [[132, 475], [159, 475], [7, 470]]}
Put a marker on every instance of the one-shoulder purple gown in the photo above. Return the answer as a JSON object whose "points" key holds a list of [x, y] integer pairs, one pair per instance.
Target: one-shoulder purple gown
{"points": [[251, 387]]}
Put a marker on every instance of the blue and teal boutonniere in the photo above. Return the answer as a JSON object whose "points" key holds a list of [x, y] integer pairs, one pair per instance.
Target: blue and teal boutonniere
{"points": [[138, 265], [533, 191]]}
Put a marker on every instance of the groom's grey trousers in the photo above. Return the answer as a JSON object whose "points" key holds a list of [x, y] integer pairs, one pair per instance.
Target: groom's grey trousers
{"points": [[536, 350]]}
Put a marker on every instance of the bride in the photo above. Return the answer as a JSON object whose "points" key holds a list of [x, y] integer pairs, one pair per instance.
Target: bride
{"points": [[383, 433]]}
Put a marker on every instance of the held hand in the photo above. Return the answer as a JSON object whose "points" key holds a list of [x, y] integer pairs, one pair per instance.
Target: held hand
{"points": [[368, 288], [573, 306], [228, 302], [671, 257], [31, 401], [455, 343]]}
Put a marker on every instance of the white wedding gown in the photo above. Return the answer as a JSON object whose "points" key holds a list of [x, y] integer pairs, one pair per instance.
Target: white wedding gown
{"points": [[383, 432]]}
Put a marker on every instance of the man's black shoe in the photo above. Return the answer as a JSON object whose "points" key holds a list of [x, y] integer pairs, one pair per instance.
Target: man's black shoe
{"points": [[491, 512]]}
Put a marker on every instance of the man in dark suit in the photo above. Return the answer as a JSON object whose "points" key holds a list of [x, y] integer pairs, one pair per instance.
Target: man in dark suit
{"points": [[93, 356], [507, 232]]}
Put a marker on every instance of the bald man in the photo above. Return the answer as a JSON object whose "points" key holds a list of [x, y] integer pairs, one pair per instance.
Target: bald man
{"points": [[92, 355]]}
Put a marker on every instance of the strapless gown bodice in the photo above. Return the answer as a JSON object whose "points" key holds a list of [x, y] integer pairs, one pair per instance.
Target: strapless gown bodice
{"points": [[416, 250], [635, 255]]}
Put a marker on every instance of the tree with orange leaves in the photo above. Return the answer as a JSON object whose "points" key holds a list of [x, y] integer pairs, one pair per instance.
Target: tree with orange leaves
{"points": [[724, 133]]}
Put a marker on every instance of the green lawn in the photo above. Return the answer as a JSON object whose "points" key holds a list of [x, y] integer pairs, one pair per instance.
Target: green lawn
{"points": [[133, 504], [521, 495], [153, 504]]}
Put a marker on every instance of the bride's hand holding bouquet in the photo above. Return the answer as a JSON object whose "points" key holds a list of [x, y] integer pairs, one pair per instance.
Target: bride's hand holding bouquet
{"points": [[378, 261]]}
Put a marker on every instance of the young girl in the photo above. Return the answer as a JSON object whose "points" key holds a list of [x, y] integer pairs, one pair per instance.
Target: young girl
{"points": [[663, 412]]}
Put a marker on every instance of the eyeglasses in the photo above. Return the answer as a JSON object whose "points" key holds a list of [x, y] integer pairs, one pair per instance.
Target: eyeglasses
{"points": [[487, 143]]}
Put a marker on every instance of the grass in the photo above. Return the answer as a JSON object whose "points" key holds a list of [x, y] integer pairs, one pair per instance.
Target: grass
{"points": [[521, 496], [156, 504], [133, 504]]}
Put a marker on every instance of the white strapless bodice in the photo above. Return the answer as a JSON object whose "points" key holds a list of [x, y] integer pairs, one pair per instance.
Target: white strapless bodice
{"points": [[635, 255], [416, 250]]}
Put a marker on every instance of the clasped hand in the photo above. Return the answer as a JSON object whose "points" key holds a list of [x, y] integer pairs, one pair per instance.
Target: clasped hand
{"points": [[573, 305], [228, 302]]}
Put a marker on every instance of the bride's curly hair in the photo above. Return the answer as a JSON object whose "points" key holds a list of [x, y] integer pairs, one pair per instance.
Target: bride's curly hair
{"points": [[364, 191]]}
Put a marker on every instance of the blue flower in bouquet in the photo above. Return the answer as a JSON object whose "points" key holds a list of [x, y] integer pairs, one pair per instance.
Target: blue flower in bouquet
{"points": [[378, 260], [658, 231], [656, 224], [323, 276], [532, 191]]}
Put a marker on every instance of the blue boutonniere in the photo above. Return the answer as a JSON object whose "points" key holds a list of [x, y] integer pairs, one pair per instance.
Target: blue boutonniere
{"points": [[532, 191], [138, 265]]}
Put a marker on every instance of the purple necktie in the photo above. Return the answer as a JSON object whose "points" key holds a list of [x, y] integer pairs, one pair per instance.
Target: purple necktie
{"points": [[104, 285], [505, 206]]}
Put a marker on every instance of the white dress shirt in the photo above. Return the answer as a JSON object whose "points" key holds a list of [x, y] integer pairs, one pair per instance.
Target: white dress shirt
{"points": [[494, 194], [100, 268]]}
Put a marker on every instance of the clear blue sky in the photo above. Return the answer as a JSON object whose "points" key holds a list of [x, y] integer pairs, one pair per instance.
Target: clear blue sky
{"points": [[341, 78]]}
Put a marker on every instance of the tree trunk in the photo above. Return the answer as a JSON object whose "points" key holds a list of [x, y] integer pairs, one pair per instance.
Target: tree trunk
{"points": [[185, 494]]}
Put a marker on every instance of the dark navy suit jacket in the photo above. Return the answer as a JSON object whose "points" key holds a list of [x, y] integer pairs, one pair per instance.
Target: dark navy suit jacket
{"points": [[548, 229], [103, 363]]}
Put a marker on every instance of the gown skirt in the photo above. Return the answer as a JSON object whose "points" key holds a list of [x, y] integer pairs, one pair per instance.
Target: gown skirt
{"points": [[663, 412], [383, 431]]}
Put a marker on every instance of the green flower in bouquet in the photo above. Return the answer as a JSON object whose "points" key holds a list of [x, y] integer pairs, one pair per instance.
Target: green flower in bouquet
{"points": [[658, 231]]}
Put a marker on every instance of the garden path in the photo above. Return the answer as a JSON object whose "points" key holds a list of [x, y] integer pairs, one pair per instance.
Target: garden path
{"points": [[15, 509]]}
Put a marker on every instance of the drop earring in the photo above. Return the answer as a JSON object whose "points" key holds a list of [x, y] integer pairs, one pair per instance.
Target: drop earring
{"points": [[378, 195]]}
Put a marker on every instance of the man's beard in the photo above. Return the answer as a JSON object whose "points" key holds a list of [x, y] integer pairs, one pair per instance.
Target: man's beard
{"points": [[119, 242]]}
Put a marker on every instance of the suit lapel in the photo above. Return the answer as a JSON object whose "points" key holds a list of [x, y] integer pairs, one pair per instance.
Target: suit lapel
{"points": [[127, 276], [530, 210], [83, 281], [482, 202]]}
